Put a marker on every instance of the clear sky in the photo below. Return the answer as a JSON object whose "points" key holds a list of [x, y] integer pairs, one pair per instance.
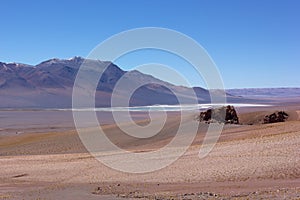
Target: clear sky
{"points": [[255, 43]]}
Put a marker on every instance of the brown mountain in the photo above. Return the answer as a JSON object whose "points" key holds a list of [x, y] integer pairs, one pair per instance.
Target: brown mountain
{"points": [[50, 83]]}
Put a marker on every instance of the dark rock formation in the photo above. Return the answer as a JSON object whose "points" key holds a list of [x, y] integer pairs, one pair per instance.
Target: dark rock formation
{"points": [[205, 116], [280, 116], [231, 115], [225, 114]]}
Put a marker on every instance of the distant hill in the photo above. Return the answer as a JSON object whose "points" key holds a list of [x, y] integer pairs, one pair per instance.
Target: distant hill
{"points": [[266, 92], [49, 85]]}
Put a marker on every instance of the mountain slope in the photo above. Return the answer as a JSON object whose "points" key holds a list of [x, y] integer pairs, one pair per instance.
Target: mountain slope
{"points": [[50, 83], [266, 92]]}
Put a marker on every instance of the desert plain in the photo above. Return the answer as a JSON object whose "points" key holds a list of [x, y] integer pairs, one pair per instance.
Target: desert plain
{"points": [[42, 157]]}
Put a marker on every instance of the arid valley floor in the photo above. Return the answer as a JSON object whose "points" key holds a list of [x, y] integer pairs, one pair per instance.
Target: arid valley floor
{"points": [[258, 161]]}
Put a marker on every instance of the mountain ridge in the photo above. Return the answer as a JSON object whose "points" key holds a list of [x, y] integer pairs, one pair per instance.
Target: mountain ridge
{"points": [[49, 84], [281, 92]]}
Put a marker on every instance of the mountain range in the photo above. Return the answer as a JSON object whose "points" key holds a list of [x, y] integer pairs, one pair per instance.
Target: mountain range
{"points": [[266, 92], [50, 84]]}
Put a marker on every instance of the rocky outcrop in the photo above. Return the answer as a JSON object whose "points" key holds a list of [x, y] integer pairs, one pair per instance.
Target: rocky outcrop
{"points": [[225, 114], [205, 116], [280, 116], [231, 115]]}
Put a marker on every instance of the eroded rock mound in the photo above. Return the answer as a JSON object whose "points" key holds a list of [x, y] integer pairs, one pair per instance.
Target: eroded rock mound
{"points": [[280, 116], [225, 114]]}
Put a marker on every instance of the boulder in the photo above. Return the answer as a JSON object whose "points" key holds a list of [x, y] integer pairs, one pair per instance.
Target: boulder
{"points": [[275, 117], [225, 114]]}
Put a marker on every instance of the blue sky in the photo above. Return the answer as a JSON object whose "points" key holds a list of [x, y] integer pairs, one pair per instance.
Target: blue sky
{"points": [[255, 43]]}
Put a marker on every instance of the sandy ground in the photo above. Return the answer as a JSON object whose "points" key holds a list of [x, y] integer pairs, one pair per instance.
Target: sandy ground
{"points": [[259, 161]]}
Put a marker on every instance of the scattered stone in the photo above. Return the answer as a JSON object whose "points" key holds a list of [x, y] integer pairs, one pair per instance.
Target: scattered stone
{"points": [[20, 175], [280, 116], [98, 190], [184, 196], [225, 114]]}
